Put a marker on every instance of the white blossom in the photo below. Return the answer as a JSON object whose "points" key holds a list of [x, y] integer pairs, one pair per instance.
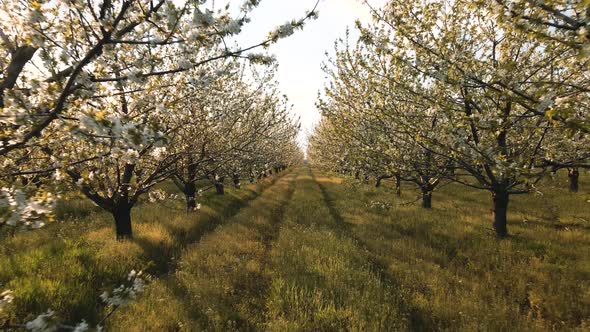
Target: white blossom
{"points": [[203, 19], [6, 297], [159, 152], [81, 327], [123, 294], [130, 156], [43, 323]]}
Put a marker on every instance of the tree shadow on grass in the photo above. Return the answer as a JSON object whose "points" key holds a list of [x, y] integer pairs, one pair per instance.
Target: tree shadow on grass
{"points": [[238, 308], [417, 319]]}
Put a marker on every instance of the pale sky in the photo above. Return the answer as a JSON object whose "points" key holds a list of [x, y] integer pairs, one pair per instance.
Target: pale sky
{"points": [[300, 56]]}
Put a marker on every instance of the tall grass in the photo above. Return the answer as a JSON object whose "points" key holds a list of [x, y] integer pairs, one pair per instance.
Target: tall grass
{"points": [[315, 251], [322, 280], [220, 281], [69, 263], [453, 274]]}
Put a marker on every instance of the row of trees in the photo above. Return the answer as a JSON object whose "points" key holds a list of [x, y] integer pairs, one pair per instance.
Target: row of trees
{"points": [[114, 97], [492, 95]]}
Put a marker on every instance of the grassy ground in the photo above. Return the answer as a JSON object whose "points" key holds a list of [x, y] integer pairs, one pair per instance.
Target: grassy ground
{"points": [[316, 251], [450, 271], [322, 280], [68, 264], [220, 281]]}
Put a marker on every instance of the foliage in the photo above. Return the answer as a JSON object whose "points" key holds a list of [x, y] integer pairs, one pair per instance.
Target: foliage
{"points": [[96, 101], [442, 90]]}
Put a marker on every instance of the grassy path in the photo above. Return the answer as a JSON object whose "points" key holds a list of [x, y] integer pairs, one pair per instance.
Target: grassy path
{"points": [[282, 263], [220, 281], [321, 278]]}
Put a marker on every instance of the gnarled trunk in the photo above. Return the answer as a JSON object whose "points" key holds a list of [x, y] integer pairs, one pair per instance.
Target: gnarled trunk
{"points": [[427, 185], [378, 182], [554, 170], [19, 58], [451, 168], [574, 176], [122, 215], [500, 198], [379, 179], [122, 205]]}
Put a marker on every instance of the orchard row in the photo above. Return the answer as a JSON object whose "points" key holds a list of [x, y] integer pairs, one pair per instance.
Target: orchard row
{"points": [[494, 95], [110, 98]]}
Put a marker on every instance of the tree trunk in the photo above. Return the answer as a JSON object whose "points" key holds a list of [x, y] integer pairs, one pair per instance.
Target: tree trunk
{"points": [[122, 215], [398, 185], [19, 58], [190, 191], [500, 199], [452, 169], [574, 176], [426, 199], [381, 178], [554, 170], [219, 188], [378, 183], [236, 178]]}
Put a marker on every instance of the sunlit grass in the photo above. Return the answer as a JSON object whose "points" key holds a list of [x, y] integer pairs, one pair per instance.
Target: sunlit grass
{"points": [[316, 251], [220, 283], [454, 274], [321, 278], [69, 263]]}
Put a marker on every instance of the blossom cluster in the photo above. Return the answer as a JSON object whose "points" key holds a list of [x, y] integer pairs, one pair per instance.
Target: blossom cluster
{"points": [[50, 322]]}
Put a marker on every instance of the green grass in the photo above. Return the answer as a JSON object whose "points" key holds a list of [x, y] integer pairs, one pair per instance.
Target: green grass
{"points": [[69, 263], [453, 274], [314, 251], [220, 281], [321, 278]]}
